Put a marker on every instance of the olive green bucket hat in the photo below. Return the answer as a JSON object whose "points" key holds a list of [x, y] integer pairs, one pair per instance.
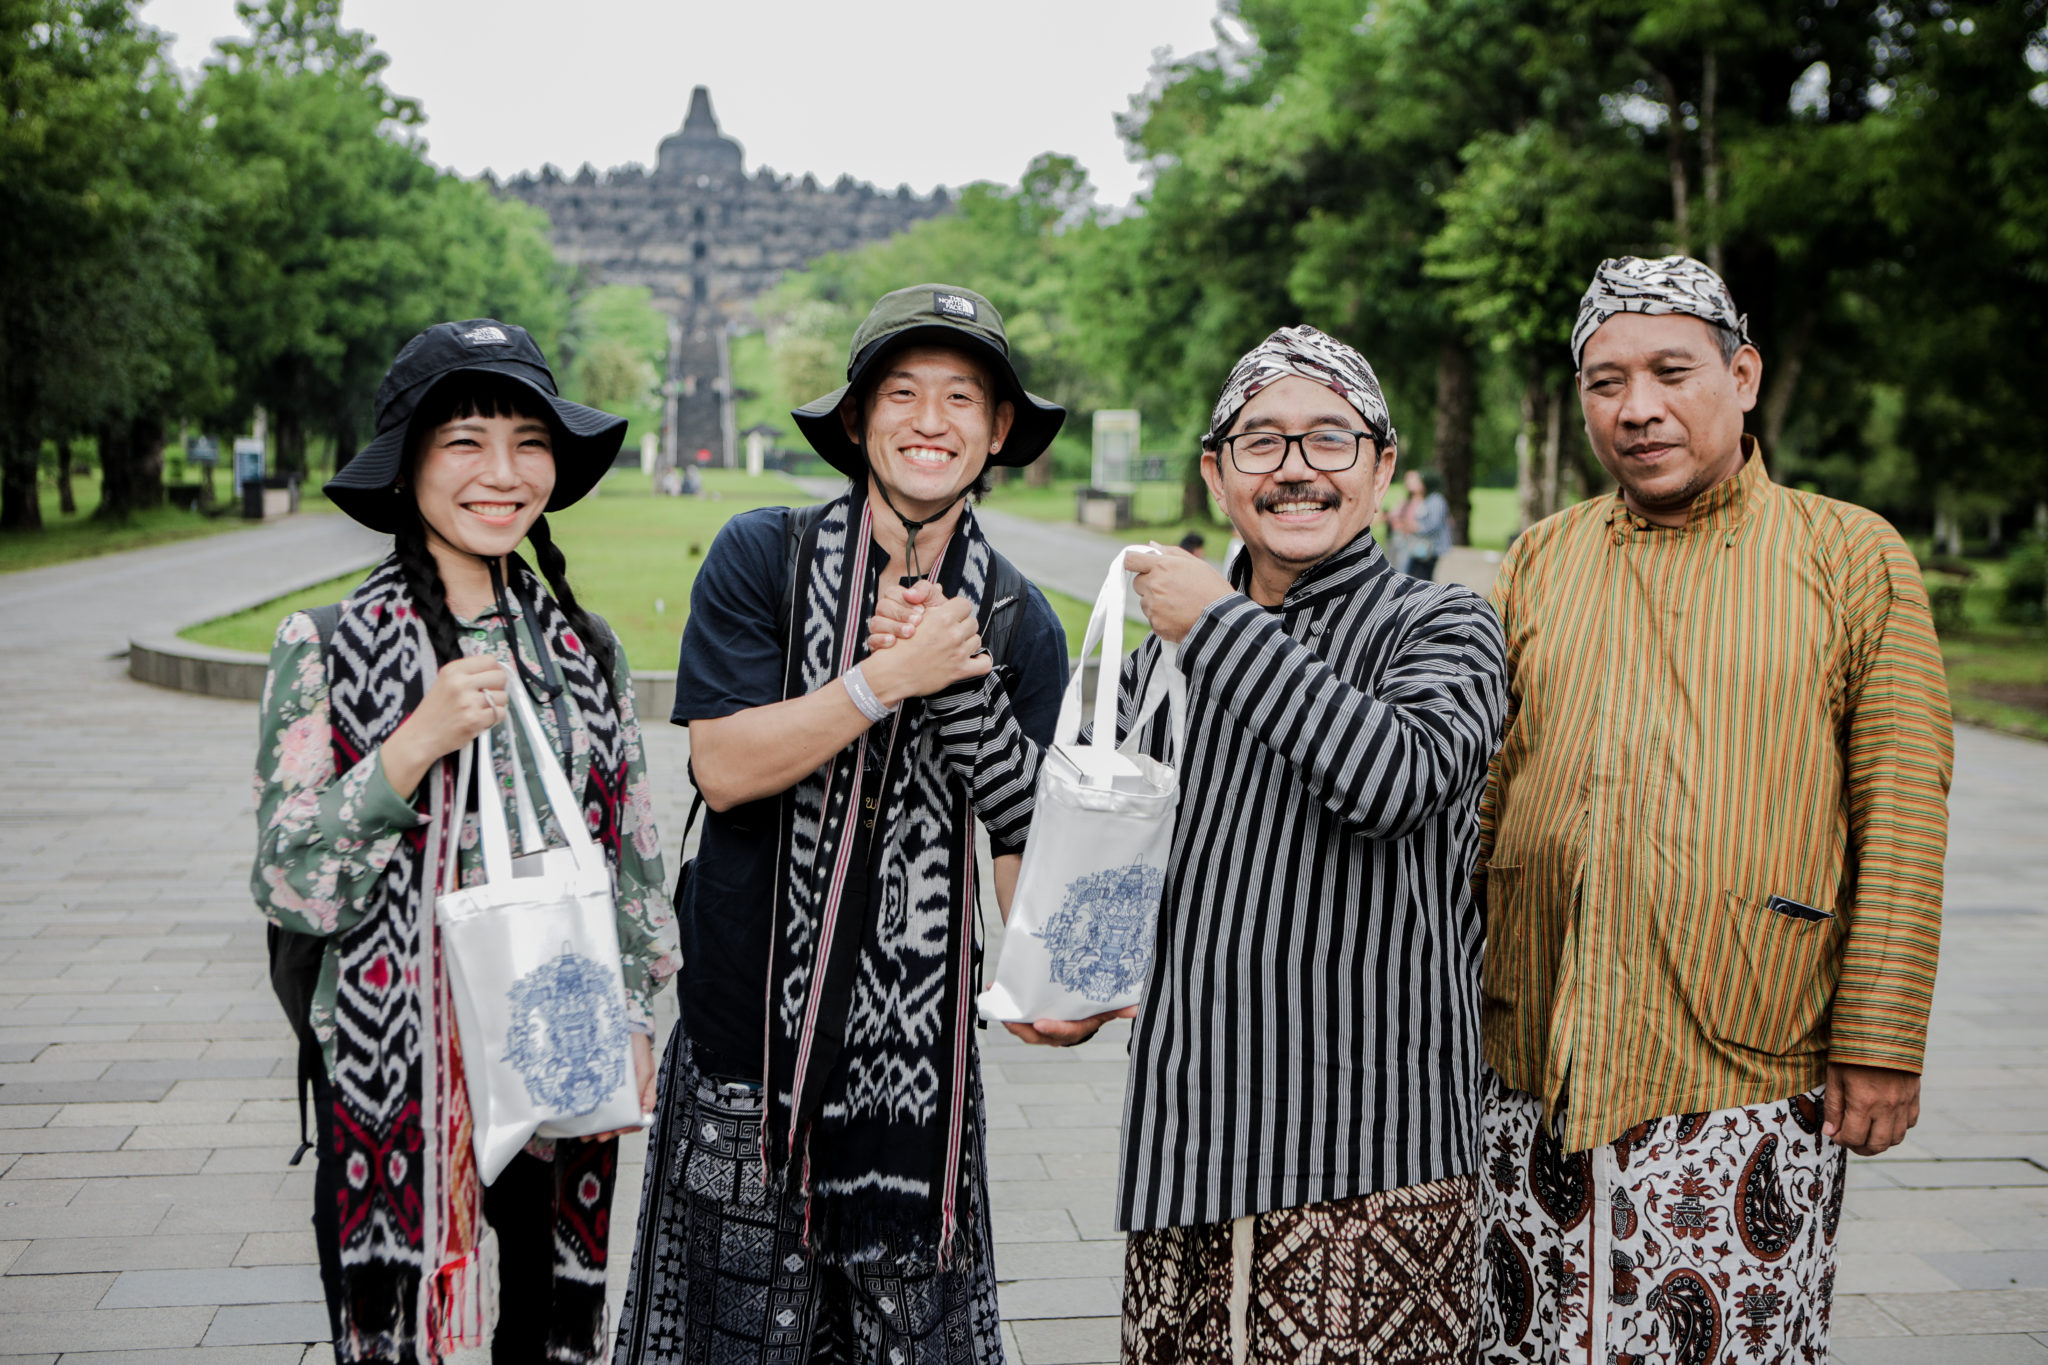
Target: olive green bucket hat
{"points": [[931, 315]]}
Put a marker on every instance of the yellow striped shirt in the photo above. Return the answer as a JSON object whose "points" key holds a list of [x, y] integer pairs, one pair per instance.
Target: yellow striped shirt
{"points": [[1702, 719]]}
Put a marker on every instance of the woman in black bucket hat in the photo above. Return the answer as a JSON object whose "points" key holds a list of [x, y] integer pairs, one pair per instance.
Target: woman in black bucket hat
{"points": [[364, 698]]}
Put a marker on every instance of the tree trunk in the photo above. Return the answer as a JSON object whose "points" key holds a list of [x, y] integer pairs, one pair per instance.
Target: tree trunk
{"points": [[1793, 343], [1528, 454], [1038, 474], [1681, 211], [146, 460], [1454, 416], [1553, 439], [117, 474], [291, 442], [1573, 449], [344, 442], [20, 508], [1194, 493], [1710, 154], [67, 501]]}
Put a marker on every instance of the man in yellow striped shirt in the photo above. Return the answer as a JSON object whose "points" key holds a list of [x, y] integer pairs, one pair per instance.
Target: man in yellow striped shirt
{"points": [[1711, 859]]}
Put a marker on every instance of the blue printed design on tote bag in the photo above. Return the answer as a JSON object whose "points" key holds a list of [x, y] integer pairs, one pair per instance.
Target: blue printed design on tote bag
{"points": [[568, 1036], [1100, 939]]}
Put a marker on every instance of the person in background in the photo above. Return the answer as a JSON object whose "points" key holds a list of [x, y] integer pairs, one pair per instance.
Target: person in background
{"points": [[473, 444], [1428, 523], [816, 1187], [1711, 859], [1301, 1133]]}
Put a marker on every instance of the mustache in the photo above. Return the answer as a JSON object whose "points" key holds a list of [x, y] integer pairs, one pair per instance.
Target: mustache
{"points": [[1320, 494]]}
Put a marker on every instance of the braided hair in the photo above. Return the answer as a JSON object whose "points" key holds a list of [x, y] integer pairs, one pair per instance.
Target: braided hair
{"points": [[479, 393]]}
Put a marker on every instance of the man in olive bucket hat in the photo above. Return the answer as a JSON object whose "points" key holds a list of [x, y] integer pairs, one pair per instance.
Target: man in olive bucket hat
{"points": [[815, 1183]]}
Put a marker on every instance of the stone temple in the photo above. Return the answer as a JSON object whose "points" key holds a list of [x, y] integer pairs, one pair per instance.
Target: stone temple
{"points": [[707, 239]]}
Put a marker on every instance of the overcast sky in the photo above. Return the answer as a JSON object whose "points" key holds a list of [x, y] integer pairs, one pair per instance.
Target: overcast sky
{"points": [[926, 92]]}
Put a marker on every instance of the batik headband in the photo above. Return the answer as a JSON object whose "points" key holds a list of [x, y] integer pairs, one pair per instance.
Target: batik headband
{"points": [[1669, 284], [1307, 354]]}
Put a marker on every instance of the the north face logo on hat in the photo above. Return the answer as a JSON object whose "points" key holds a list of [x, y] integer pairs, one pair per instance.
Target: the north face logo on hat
{"points": [[955, 306], [486, 336]]}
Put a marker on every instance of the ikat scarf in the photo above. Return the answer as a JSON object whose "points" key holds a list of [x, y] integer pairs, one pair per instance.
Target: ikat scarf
{"points": [[413, 1282], [1668, 284], [872, 963], [1305, 353]]}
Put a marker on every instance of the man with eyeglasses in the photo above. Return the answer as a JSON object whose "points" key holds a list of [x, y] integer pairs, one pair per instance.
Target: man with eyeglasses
{"points": [[1302, 1122]]}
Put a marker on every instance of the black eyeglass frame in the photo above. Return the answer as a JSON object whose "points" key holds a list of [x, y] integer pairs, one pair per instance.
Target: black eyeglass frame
{"points": [[1359, 438]]}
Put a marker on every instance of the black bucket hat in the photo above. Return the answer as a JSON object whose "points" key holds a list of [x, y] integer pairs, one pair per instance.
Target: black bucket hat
{"points": [[931, 315], [587, 440]]}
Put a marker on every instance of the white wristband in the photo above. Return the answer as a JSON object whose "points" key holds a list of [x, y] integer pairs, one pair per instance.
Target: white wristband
{"points": [[864, 699]]}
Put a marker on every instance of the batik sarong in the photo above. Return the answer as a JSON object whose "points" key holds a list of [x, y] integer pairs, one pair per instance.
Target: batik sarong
{"points": [[725, 1273], [1693, 1239], [1378, 1277]]}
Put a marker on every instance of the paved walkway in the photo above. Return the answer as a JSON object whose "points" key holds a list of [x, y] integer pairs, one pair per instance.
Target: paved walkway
{"points": [[147, 1214]]}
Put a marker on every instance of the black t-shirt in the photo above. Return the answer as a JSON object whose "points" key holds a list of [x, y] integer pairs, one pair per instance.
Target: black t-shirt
{"points": [[731, 661]]}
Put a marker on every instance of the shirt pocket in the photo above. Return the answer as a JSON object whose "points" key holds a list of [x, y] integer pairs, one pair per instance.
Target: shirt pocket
{"points": [[1506, 966], [1762, 979]]}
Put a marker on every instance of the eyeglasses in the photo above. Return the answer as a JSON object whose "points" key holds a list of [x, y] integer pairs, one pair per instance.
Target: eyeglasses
{"points": [[1330, 450]]}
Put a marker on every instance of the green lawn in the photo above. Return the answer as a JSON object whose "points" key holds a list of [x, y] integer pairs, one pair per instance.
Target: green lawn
{"points": [[1997, 672], [632, 557]]}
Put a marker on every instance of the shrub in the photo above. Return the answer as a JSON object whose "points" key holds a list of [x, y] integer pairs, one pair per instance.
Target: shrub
{"points": [[2024, 600]]}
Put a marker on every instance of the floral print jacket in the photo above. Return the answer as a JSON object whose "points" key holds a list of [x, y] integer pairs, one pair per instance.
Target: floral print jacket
{"points": [[325, 837]]}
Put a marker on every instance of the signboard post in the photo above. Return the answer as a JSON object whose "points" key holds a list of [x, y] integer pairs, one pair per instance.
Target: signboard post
{"points": [[204, 451]]}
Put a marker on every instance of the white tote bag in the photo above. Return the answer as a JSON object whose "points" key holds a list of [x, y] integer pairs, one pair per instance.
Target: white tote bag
{"points": [[1078, 942], [533, 965]]}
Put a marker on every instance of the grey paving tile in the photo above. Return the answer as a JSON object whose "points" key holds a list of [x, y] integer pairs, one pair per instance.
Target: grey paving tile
{"points": [[1856, 1316], [282, 1135], [218, 1285], [39, 1293], [99, 1165], [25, 1193], [1094, 1297], [135, 1115], [1032, 1225], [69, 1255], [62, 1139], [28, 1072], [276, 1322], [105, 1220], [2011, 1233], [1964, 1175], [1890, 1272], [270, 1215], [1044, 1141], [1058, 1260], [282, 1354], [1969, 1312], [189, 1069], [100, 1330], [297, 1248], [1951, 1350], [183, 1189], [81, 1092], [27, 1115], [1995, 1269], [1069, 1341], [9, 1253], [157, 1050]]}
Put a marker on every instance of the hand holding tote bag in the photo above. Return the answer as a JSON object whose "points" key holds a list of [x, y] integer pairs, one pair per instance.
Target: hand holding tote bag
{"points": [[532, 957], [1078, 942]]}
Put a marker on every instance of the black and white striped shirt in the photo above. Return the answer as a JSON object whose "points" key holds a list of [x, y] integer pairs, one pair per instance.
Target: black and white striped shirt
{"points": [[1310, 1031]]}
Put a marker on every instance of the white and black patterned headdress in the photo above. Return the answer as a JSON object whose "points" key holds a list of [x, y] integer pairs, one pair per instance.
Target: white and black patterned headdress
{"points": [[1669, 284], [1311, 355]]}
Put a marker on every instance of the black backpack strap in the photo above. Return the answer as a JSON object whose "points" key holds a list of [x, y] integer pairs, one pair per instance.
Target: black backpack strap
{"points": [[1011, 596]]}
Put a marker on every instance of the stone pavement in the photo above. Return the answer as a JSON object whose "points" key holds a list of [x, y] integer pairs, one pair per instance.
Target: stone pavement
{"points": [[146, 1111]]}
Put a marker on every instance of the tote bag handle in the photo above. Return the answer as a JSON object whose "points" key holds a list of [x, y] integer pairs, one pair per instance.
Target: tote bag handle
{"points": [[496, 837], [1106, 630]]}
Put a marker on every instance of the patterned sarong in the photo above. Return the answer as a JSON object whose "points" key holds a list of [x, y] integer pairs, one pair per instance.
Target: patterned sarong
{"points": [[1378, 1277], [1690, 1240], [724, 1274]]}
